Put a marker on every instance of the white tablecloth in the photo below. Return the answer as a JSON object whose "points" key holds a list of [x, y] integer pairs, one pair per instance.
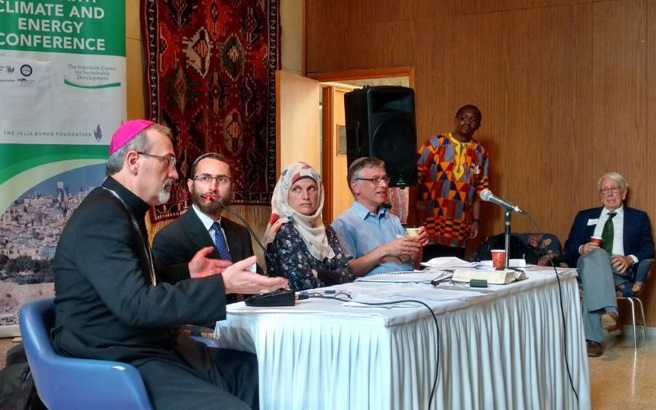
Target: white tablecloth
{"points": [[505, 349]]}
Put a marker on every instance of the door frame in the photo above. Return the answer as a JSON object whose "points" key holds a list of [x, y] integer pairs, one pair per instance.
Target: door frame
{"points": [[365, 74], [327, 129]]}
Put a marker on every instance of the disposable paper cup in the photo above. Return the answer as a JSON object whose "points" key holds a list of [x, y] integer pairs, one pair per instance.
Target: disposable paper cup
{"points": [[412, 232], [596, 239], [498, 258]]}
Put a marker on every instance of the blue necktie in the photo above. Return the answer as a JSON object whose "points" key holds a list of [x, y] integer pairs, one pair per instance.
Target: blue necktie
{"points": [[220, 242]]}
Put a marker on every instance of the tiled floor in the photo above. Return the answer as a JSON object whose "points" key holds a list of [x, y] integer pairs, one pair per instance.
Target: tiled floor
{"points": [[620, 379]]}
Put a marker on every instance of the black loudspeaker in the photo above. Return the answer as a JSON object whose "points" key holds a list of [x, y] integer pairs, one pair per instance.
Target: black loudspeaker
{"points": [[380, 122]]}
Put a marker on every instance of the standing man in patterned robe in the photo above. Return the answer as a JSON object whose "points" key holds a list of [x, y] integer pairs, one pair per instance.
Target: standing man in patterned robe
{"points": [[453, 170]]}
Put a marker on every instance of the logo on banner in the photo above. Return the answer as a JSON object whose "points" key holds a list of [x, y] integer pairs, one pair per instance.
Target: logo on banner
{"points": [[26, 70]]}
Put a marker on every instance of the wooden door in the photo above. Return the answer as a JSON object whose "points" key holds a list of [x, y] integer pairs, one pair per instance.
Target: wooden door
{"points": [[297, 120]]}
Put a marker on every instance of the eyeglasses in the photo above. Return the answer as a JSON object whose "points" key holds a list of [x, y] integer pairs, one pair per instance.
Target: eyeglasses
{"points": [[469, 119], [207, 178], [608, 191], [168, 158], [375, 180]]}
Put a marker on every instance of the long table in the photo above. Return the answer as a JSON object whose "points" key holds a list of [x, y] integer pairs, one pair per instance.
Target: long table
{"points": [[506, 348]]}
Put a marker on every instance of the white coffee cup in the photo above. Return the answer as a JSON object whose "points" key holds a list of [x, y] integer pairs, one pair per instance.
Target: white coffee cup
{"points": [[412, 232]]}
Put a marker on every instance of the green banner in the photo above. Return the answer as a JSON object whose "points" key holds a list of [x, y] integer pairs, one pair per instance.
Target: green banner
{"points": [[62, 95], [63, 26], [20, 158]]}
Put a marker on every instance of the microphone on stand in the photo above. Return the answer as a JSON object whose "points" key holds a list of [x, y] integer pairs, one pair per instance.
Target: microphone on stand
{"points": [[486, 195], [243, 221]]}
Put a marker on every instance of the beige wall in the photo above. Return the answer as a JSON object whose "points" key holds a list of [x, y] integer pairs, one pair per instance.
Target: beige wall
{"points": [[566, 87], [291, 48]]}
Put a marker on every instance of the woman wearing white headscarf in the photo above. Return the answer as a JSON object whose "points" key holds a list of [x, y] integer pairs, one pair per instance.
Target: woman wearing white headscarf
{"points": [[300, 246]]}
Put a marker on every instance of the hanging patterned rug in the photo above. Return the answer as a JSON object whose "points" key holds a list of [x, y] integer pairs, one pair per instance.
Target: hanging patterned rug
{"points": [[210, 73]]}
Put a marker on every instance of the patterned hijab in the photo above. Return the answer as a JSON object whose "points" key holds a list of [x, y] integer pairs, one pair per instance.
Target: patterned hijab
{"points": [[309, 227]]}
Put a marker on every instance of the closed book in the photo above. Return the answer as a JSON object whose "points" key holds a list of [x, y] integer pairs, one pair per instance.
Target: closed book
{"points": [[494, 277]]}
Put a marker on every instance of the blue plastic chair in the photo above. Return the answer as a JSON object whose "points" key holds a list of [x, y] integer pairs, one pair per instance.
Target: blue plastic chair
{"points": [[70, 383]]}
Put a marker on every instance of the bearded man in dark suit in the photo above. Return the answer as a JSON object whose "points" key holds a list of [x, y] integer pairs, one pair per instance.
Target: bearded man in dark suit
{"points": [[627, 240], [202, 225]]}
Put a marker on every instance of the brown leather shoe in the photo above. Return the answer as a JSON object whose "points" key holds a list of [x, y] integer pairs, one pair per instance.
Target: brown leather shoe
{"points": [[610, 322], [595, 349]]}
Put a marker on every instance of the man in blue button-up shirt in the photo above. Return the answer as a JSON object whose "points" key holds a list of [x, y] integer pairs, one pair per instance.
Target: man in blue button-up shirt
{"points": [[368, 232]]}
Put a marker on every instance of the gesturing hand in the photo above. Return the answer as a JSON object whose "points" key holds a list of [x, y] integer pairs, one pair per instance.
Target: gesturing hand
{"points": [[237, 278], [202, 266]]}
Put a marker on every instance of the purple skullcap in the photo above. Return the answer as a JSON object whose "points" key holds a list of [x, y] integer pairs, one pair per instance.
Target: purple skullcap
{"points": [[126, 132]]}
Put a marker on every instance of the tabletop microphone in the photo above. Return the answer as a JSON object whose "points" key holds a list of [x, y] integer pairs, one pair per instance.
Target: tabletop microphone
{"points": [[487, 195], [210, 198]]}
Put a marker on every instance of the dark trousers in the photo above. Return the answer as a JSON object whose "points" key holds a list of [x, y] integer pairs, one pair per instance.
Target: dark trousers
{"points": [[439, 251], [204, 378]]}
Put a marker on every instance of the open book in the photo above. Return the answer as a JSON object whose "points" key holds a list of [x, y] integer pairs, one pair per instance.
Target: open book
{"points": [[495, 277]]}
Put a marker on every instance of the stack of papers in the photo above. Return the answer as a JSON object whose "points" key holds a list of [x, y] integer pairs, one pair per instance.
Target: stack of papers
{"points": [[425, 276], [449, 262]]}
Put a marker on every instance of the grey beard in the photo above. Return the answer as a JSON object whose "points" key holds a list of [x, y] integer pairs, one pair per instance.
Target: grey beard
{"points": [[164, 196], [165, 192]]}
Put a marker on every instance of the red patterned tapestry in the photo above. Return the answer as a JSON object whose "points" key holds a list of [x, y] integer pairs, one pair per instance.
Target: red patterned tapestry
{"points": [[210, 72]]}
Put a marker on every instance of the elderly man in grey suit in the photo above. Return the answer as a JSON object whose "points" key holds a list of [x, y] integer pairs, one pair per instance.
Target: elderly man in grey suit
{"points": [[202, 226], [626, 241]]}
